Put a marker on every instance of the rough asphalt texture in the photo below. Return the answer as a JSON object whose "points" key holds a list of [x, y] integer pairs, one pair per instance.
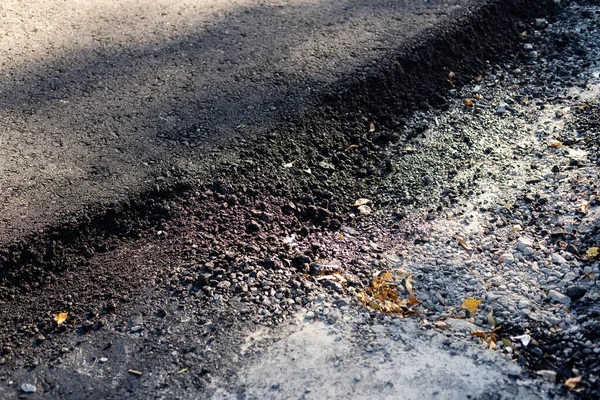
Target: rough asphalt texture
{"points": [[101, 99], [211, 289]]}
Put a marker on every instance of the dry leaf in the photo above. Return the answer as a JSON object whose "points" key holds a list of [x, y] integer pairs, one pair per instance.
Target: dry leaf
{"points": [[60, 318], [340, 236], [555, 144], [479, 334], [451, 83], [382, 295], [469, 103], [361, 202], [451, 75], [471, 305], [572, 382], [372, 127], [289, 165], [489, 338], [462, 242], [592, 252], [352, 147]]}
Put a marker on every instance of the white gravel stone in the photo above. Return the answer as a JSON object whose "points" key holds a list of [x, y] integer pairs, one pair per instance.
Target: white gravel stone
{"points": [[559, 297], [559, 259]]}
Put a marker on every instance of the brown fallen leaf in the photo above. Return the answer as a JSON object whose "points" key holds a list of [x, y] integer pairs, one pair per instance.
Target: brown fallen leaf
{"points": [[61, 318], [555, 144], [451, 75], [488, 337], [572, 382], [462, 242], [372, 127], [352, 147], [382, 295], [470, 305], [469, 103]]}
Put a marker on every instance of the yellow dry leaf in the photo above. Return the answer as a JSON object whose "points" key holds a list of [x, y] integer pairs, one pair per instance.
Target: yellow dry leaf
{"points": [[372, 127], [471, 305], [462, 242], [413, 301], [469, 103], [340, 236], [555, 144], [60, 318], [572, 382], [352, 147], [451, 83], [361, 202], [592, 252]]}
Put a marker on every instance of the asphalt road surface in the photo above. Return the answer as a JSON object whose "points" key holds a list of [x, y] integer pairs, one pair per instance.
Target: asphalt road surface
{"points": [[100, 99]]}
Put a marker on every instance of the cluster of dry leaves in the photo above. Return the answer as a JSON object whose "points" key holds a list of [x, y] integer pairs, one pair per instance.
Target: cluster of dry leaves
{"points": [[383, 293]]}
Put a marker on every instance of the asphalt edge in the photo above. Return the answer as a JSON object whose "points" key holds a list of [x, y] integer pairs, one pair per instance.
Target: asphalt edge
{"points": [[385, 94]]}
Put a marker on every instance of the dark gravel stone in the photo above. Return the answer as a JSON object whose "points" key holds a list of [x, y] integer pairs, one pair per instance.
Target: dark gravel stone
{"points": [[576, 292]]}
